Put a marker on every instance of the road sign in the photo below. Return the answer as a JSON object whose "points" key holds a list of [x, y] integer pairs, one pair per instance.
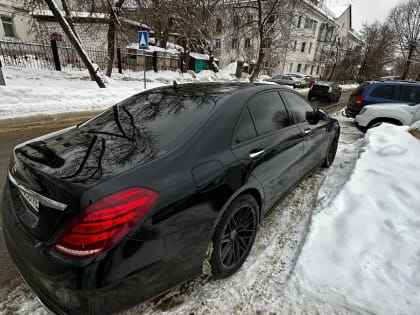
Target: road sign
{"points": [[143, 40]]}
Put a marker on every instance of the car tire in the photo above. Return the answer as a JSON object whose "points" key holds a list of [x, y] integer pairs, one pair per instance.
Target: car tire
{"points": [[332, 151], [234, 236]]}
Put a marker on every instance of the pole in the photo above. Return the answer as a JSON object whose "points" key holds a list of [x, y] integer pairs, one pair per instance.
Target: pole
{"points": [[119, 60], [2, 82], [144, 68]]}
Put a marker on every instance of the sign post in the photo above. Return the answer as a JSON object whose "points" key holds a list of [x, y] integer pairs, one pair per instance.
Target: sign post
{"points": [[2, 82], [144, 45]]}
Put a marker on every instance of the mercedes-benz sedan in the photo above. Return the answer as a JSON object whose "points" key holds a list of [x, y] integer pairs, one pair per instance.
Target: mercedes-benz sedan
{"points": [[109, 213]]}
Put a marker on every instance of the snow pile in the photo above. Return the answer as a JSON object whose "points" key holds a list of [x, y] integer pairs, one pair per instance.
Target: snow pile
{"points": [[349, 86], [415, 129], [363, 251]]}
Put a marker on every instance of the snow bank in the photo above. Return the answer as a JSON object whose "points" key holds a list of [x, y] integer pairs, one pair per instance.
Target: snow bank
{"points": [[363, 251]]}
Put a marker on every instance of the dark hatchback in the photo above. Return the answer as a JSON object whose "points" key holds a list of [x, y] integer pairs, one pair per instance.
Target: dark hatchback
{"points": [[330, 91], [107, 214]]}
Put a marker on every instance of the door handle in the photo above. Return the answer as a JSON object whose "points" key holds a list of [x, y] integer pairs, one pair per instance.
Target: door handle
{"points": [[254, 155], [307, 131]]}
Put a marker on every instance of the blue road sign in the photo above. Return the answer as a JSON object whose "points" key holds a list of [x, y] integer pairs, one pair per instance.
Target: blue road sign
{"points": [[143, 40]]}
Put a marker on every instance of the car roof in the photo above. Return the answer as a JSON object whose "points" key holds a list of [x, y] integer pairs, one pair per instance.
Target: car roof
{"points": [[217, 90], [397, 82]]}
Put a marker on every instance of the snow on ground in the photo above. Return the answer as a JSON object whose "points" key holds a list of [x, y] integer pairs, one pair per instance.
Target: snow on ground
{"points": [[44, 92], [363, 251]]}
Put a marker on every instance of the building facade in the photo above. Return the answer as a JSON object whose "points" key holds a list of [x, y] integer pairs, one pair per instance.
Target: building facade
{"points": [[316, 36], [15, 22]]}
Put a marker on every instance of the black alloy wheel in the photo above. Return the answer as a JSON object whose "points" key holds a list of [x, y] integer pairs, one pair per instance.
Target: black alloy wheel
{"points": [[332, 151], [234, 236]]}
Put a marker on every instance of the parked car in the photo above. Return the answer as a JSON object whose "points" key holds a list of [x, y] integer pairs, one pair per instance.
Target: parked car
{"points": [[301, 78], [287, 80], [373, 92], [393, 113], [104, 215], [323, 89]]}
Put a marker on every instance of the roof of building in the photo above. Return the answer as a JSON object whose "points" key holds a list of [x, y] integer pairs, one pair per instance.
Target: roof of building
{"points": [[338, 10]]}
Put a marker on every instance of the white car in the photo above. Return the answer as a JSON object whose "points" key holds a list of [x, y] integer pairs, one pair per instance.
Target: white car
{"points": [[394, 113]]}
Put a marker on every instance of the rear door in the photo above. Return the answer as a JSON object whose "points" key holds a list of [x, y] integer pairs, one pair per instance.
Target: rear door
{"points": [[268, 145], [383, 94], [315, 135]]}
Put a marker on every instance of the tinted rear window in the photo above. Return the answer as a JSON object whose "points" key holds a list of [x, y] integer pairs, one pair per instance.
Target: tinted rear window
{"points": [[165, 117]]}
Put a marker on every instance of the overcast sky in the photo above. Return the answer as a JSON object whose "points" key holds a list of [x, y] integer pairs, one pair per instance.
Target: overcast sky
{"points": [[368, 10]]}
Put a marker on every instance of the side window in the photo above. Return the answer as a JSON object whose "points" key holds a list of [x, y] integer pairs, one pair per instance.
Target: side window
{"points": [[269, 112], [297, 105], [246, 128], [410, 94], [396, 92], [384, 91]]}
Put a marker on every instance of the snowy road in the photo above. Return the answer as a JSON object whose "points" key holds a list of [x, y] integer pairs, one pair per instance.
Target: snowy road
{"points": [[265, 284]]}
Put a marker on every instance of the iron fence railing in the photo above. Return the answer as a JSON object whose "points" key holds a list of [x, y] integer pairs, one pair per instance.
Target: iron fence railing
{"points": [[40, 56]]}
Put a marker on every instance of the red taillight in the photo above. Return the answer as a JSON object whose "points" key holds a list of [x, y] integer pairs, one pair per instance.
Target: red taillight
{"points": [[330, 89], [104, 223], [359, 101]]}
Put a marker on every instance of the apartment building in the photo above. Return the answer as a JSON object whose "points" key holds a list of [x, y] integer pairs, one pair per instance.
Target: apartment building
{"points": [[314, 34], [15, 23]]}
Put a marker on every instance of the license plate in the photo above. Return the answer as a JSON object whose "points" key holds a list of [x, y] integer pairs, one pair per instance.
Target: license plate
{"points": [[34, 203]]}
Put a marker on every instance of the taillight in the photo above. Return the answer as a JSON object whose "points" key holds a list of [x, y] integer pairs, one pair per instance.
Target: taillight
{"points": [[359, 101], [330, 89], [104, 223]]}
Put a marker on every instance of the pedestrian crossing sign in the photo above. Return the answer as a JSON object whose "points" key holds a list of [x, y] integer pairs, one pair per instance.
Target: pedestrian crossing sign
{"points": [[143, 40]]}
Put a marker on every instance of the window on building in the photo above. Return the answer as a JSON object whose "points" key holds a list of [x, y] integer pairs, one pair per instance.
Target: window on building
{"points": [[8, 26], [312, 69], [302, 49], [219, 26], [310, 48], [307, 23], [314, 28], [299, 67], [295, 45], [299, 22], [218, 44], [235, 43], [247, 42], [236, 20]]}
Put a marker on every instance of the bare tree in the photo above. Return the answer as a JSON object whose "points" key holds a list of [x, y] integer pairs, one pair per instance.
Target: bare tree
{"points": [[114, 12], [269, 21], [75, 42], [378, 51], [405, 21]]}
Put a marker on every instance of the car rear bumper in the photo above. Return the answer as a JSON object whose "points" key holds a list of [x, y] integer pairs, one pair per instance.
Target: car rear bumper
{"points": [[350, 113], [131, 273]]}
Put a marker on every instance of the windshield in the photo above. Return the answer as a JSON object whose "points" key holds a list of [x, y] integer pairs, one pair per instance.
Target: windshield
{"points": [[165, 117]]}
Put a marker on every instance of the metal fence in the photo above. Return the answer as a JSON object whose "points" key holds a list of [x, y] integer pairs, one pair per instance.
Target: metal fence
{"points": [[40, 56]]}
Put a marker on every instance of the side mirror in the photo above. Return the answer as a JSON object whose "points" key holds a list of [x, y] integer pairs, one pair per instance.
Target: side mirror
{"points": [[312, 117]]}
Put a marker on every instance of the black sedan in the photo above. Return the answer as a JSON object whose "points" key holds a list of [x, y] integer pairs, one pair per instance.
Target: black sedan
{"points": [[109, 213], [330, 91]]}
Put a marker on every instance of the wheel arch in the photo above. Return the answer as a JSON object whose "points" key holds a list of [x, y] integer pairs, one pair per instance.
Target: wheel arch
{"points": [[253, 188], [391, 120]]}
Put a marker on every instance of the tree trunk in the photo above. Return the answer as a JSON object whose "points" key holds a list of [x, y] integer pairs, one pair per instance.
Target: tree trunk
{"points": [[332, 71], [111, 47], [75, 42], [257, 67], [408, 62], [69, 16]]}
